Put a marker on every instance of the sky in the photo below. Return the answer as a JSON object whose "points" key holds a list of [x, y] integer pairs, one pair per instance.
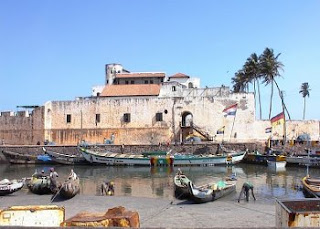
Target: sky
{"points": [[57, 50]]}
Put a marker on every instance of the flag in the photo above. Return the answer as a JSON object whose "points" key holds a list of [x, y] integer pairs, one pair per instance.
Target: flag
{"points": [[221, 130], [277, 120], [268, 130], [231, 110]]}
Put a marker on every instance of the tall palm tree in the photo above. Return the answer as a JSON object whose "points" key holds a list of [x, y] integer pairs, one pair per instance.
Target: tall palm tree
{"points": [[304, 90], [252, 69], [270, 67]]}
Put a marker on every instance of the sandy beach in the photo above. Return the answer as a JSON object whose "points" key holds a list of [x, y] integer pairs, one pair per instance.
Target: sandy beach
{"points": [[155, 213]]}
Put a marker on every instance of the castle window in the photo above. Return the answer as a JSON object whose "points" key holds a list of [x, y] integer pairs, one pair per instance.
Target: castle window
{"points": [[146, 82], [159, 117], [132, 81], [98, 94], [68, 118], [174, 88], [162, 80], [127, 82], [190, 85], [97, 118], [126, 117], [151, 81]]}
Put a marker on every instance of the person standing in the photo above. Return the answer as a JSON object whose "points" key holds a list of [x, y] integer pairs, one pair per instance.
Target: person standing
{"points": [[53, 180]]}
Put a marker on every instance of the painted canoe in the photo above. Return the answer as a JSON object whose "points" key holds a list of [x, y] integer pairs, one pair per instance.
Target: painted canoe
{"points": [[181, 190], [65, 159], [109, 158], [40, 184], [8, 187], [311, 186], [210, 192]]}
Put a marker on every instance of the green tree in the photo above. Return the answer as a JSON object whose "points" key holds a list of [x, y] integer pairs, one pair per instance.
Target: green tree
{"points": [[252, 70], [239, 82], [305, 91], [270, 68]]}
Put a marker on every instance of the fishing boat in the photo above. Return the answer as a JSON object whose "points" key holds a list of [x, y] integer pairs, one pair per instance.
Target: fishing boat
{"points": [[181, 190], [109, 158], [279, 161], [26, 158], [210, 192], [65, 159], [311, 186], [303, 161], [70, 187], [40, 184], [10, 186]]}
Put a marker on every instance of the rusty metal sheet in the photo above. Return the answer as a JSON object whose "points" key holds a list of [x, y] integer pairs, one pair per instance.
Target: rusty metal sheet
{"points": [[37, 216]]}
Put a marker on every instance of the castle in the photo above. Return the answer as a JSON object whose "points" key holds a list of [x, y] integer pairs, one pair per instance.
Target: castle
{"points": [[145, 108]]}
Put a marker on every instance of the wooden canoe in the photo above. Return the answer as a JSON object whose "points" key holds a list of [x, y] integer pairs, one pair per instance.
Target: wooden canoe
{"points": [[40, 184], [70, 188], [8, 187], [181, 190], [311, 186], [211, 192], [65, 159]]}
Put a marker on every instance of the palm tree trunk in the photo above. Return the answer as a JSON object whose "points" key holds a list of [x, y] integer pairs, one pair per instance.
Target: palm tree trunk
{"points": [[254, 92], [304, 108], [271, 96], [259, 98]]}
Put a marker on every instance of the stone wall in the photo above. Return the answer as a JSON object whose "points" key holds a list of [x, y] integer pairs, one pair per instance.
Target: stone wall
{"points": [[49, 123], [21, 127], [143, 127]]}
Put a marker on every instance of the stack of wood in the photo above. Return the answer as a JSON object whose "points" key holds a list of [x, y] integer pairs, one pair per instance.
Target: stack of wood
{"points": [[114, 217]]}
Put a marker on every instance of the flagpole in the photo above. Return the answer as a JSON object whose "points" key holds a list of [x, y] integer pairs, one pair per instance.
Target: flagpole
{"points": [[233, 124], [223, 134], [284, 120]]}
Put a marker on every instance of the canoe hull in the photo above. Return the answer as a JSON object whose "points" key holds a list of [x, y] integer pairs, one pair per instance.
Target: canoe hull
{"points": [[70, 188], [40, 185], [181, 190], [205, 195], [6, 189], [66, 159], [311, 186], [109, 158]]}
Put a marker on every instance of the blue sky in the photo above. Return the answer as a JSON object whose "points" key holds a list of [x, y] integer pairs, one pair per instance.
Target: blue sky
{"points": [[56, 50]]}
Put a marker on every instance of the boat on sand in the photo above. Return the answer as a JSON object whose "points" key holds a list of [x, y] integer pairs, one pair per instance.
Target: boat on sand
{"points": [[181, 190], [210, 192]]}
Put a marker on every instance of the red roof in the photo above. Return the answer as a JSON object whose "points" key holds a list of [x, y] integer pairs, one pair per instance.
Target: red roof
{"points": [[179, 75], [131, 90], [141, 74]]}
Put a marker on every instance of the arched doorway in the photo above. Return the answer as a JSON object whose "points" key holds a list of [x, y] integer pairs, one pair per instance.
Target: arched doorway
{"points": [[187, 119], [186, 125]]}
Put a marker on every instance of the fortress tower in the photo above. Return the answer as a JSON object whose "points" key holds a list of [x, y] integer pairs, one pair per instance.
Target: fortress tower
{"points": [[111, 71]]}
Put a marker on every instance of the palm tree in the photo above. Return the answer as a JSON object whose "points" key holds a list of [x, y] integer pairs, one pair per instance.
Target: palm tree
{"points": [[239, 82], [304, 90], [252, 69], [270, 67]]}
